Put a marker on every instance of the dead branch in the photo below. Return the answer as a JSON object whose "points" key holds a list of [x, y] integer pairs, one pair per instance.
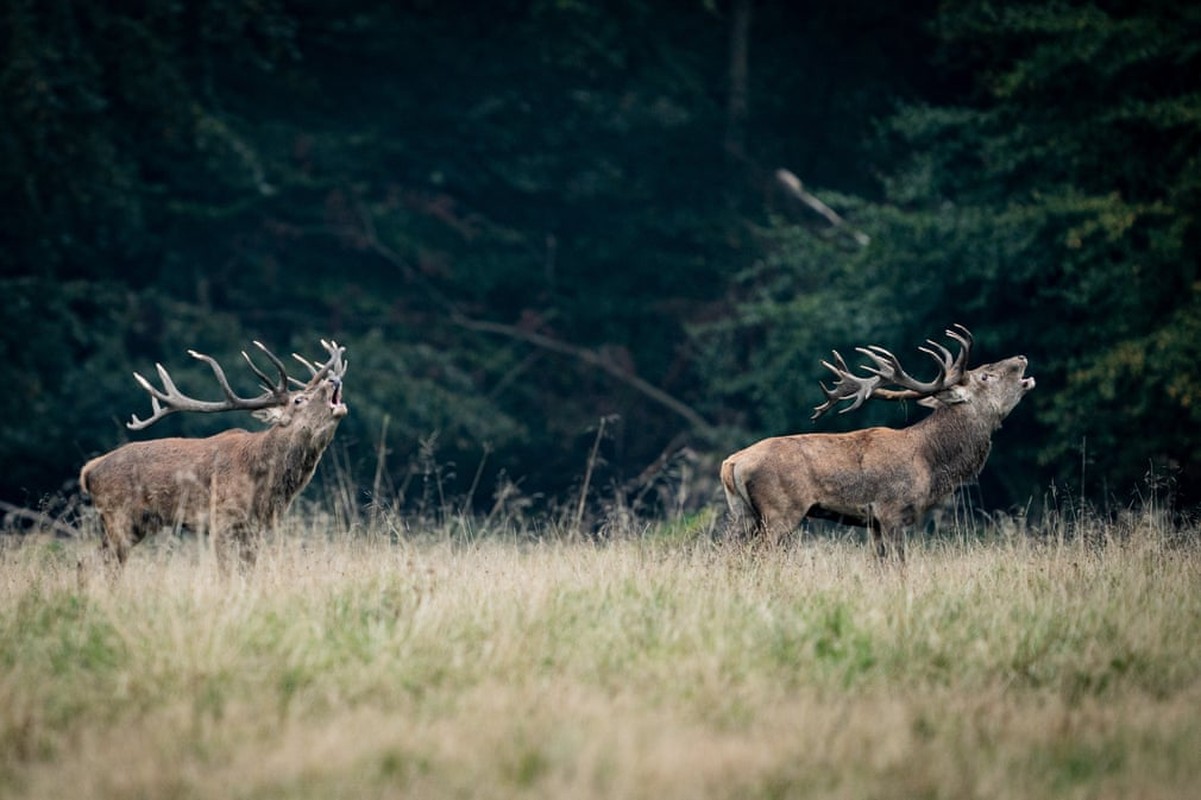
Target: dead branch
{"points": [[794, 188], [38, 518], [592, 357]]}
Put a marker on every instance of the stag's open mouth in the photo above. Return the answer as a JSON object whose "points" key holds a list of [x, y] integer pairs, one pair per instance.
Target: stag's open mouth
{"points": [[1027, 381], [337, 407]]}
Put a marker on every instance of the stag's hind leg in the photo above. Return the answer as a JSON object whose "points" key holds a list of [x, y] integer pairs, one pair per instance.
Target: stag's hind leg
{"points": [[117, 537], [741, 523], [776, 521], [887, 526]]}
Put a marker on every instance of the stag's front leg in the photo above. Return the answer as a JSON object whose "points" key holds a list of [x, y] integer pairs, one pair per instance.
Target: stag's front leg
{"points": [[236, 544], [875, 529], [246, 539], [897, 537], [887, 523]]}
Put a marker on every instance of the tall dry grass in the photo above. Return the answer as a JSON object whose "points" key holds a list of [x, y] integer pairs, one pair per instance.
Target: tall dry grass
{"points": [[455, 661]]}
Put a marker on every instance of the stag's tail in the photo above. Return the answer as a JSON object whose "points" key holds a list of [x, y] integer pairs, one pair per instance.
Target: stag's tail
{"points": [[742, 510], [83, 477]]}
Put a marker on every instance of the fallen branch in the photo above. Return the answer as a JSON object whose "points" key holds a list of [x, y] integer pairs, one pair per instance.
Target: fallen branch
{"points": [[793, 186], [644, 479], [45, 520], [589, 356]]}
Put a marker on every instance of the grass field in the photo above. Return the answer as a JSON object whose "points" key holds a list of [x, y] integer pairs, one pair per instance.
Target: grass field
{"points": [[1060, 662]]}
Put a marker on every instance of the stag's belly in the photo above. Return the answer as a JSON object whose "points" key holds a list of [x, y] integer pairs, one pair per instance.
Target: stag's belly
{"points": [[855, 517]]}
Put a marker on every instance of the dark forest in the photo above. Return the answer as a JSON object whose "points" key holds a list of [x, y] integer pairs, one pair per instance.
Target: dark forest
{"points": [[540, 225]]}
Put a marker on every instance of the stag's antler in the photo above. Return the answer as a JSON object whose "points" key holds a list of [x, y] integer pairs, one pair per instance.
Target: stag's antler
{"points": [[170, 399], [887, 371], [334, 366]]}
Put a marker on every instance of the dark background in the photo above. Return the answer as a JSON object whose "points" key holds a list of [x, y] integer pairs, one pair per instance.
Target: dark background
{"points": [[523, 217]]}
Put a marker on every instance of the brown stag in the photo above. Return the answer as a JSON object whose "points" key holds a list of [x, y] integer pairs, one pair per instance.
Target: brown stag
{"points": [[235, 484], [883, 479]]}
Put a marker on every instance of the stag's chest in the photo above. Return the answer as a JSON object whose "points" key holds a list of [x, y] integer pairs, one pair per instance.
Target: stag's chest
{"points": [[955, 463]]}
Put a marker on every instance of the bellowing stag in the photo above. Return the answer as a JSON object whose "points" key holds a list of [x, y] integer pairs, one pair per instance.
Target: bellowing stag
{"points": [[235, 484], [880, 478]]}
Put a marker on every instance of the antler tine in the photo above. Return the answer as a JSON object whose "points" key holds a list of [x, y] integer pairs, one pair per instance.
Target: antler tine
{"points": [[888, 367], [962, 335], [889, 370], [280, 388], [937, 352], [336, 353], [219, 373], [334, 365], [273, 394], [312, 368], [158, 412], [848, 386]]}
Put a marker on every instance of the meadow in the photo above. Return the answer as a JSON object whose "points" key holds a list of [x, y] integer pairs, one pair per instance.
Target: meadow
{"points": [[465, 659]]}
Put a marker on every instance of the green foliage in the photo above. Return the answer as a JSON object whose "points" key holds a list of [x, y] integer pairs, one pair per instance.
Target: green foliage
{"points": [[1081, 150], [203, 174], [1052, 207]]}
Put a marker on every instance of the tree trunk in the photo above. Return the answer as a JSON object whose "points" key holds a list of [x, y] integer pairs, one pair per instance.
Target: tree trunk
{"points": [[737, 101]]}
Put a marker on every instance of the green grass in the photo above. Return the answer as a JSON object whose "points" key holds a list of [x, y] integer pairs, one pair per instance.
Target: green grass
{"points": [[658, 663]]}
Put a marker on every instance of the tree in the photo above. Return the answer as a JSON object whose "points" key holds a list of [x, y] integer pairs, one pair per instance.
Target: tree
{"points": [[1050, 203]]}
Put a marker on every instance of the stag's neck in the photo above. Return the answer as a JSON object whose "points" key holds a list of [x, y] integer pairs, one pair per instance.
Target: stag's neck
{"points": [[955, 443], [290, 456]]}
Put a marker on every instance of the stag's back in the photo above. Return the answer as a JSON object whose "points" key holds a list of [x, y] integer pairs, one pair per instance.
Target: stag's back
{"points": [[169, 479]]}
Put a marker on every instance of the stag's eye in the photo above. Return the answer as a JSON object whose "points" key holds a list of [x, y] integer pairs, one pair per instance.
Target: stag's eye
{"points": [[299, 401]]}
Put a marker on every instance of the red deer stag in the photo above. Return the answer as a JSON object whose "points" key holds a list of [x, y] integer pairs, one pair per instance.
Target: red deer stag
{"points": [[234, 484], [879, 478]]}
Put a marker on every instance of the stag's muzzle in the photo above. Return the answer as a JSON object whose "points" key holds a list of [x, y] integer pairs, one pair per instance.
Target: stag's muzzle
{"points": [[1028, 381]]}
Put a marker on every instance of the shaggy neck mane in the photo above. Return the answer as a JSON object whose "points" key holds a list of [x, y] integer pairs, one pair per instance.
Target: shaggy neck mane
{"points": [[955, 443]]}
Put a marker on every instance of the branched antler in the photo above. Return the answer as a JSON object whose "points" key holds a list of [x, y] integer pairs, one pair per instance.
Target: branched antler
{"points": [[886, 370], [170, 399]]}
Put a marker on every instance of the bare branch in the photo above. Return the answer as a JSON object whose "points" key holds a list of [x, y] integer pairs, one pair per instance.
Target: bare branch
{"points": [[588, 356], [38, 518], [793, 186]]}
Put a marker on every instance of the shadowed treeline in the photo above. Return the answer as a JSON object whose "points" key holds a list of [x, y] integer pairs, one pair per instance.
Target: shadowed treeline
{"points": [[526, 218]]}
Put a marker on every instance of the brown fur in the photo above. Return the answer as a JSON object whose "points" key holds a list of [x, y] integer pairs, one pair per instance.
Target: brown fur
{"points": [[880, 478], [235, 484]]}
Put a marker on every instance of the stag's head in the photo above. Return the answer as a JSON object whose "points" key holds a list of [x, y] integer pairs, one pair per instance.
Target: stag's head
{"points": [[315, 407], [996, 388], [990, 390]]}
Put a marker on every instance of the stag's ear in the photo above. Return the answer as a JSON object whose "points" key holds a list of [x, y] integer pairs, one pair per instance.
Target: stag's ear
{"points": [[272, 416], [952, 396]]}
